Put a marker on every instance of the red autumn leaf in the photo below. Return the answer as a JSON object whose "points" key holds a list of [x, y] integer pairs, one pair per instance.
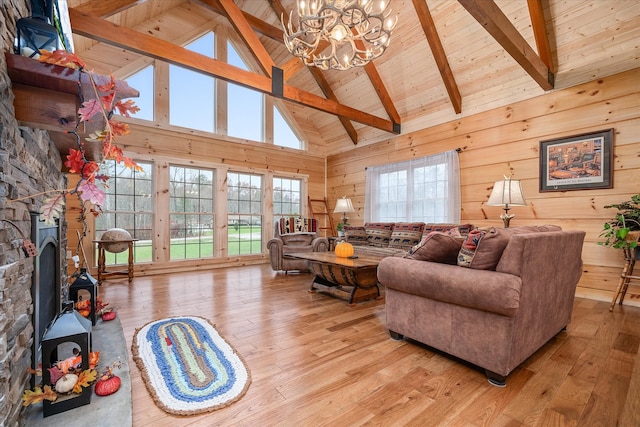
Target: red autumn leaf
{"points": [[89, 109], [107, 100], [89, 170], [127, 107], [61, 57], [108, 86], [118, 128], [75, 161]]}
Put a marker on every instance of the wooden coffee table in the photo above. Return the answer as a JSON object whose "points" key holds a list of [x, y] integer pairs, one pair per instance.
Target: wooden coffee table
{"points": [[352, 278]]}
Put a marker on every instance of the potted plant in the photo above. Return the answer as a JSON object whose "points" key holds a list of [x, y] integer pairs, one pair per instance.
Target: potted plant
{"points": [[623, 230], [340, 228]]}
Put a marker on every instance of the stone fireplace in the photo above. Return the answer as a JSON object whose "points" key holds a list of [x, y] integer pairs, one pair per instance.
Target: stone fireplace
{"points": [[30, 164]]}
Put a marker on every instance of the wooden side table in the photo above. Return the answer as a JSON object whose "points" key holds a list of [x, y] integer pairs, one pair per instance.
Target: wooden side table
{"points": [[102, 272]]}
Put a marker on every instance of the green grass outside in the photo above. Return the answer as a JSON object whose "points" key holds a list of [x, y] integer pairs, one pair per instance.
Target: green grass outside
{"points": [[236, 245]]}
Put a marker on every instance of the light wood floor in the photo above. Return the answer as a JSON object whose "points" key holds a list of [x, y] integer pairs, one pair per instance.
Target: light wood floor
{"points": [[315, 361]]}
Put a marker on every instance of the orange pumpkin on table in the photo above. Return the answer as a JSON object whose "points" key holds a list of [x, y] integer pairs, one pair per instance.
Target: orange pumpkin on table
{"points": [[344, 250]]}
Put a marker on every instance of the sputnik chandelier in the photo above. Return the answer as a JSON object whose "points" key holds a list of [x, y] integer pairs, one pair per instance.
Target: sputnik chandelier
{"points": [[339, 34]]}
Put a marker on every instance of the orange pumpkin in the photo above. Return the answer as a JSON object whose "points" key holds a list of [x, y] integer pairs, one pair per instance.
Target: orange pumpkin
{"points": [[344, 249]]}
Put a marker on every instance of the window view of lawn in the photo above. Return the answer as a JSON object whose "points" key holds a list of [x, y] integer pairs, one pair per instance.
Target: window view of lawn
{"points": [[239, 242]]}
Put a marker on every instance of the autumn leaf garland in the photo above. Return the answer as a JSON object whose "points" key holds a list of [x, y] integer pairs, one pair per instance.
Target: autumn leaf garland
{"points": [[103, 104]]}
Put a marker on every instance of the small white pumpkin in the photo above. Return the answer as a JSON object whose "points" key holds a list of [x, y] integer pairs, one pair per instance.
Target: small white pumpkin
{"points": [[66, 382]]}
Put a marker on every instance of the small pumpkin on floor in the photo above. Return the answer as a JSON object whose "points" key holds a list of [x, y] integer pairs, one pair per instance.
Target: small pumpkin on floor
{"points": [[107, 384]]}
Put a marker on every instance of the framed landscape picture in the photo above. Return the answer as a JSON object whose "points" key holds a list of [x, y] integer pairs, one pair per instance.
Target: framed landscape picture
{"points": [[577, 162]]}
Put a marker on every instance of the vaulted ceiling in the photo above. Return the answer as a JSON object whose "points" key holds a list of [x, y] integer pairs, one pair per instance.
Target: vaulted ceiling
{"points": [[447, 59]]}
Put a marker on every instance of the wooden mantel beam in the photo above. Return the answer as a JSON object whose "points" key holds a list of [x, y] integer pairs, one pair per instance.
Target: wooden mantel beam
{"points": [[489, 15], [144, 44]]}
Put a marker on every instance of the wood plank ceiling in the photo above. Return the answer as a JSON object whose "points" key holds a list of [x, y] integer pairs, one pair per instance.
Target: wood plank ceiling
{"points": [[446, 58]]}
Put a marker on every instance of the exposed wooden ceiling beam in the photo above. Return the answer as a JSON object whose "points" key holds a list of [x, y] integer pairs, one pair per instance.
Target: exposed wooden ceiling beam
{"points": [[258, 25], [429, 28], [489, 15], [328, 92], [540, 33], [242, 27], [144, 44], [105, 9]]}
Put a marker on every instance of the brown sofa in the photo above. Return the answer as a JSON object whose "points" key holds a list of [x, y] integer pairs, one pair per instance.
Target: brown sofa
{"points": [[516, 294], [394, 238]]}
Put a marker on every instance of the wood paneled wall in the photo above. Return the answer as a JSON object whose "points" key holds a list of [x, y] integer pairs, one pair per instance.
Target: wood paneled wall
{"points": [[506, 141]]}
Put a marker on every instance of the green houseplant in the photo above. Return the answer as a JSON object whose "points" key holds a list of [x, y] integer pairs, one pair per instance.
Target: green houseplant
{"points": [[622, 231]]}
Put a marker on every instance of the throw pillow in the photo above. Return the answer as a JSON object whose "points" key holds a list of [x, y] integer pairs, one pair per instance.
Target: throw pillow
{"points": [[482, 249], [406, 235], [437, 247], [379, 233], [357, 236]]}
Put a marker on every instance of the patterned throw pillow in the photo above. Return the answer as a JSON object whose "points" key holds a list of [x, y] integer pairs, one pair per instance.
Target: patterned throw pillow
{"points": [[482, 249], [298, 224], [437, 247], [357, 236], [406, 235], [378, 233]]}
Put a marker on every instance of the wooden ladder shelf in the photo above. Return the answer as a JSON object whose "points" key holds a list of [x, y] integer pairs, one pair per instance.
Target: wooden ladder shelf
{"points": [[319, 210]]}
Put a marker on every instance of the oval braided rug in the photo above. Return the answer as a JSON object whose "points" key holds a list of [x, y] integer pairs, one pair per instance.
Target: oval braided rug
{"points": [[187, 366]]}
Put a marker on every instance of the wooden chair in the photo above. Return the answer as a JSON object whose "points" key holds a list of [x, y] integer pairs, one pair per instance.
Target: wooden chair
{"points": [[631, 255]]}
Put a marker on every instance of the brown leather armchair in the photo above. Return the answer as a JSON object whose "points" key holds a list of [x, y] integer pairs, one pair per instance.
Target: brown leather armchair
{"points": [[301, 237]]}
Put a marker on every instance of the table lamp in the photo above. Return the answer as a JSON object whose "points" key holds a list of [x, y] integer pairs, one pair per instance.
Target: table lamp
{"points": [[344, 206], [506, 193]]}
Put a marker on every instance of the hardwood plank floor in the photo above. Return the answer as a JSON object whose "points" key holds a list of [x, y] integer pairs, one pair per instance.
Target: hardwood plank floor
{"points": [[314, 361]]}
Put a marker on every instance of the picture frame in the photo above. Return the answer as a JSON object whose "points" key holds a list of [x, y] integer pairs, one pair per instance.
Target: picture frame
{"points": [[578, 162]]}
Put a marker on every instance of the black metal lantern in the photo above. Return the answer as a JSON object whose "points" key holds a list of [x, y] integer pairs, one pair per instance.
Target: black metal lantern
{"points": [[84, 290], [35, 33], [68, 338]]}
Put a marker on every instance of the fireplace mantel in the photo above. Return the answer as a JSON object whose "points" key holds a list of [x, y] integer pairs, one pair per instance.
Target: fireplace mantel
{"points": [[47, 97]]}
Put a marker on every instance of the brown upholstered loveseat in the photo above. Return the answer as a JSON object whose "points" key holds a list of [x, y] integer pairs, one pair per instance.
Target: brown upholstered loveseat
{"points": [[496, 315]]}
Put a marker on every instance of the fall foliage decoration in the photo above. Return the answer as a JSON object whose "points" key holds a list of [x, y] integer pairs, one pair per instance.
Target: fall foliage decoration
{"points": [[74, 382], [104, 104]]}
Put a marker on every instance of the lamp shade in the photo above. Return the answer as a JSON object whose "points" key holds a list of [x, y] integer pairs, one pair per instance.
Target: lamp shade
{"points": [[343, 205], [507, 193]]}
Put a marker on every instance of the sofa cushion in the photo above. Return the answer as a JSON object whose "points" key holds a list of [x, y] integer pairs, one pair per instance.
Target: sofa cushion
{"points": [[437, 247], [379, 233], [406, 235], [298, 239], [357, 236], [453, 229], [482, 249]]}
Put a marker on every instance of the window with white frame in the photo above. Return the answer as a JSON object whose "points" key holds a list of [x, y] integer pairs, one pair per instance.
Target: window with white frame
{"points": [[425, 189], [128, 205], [244, 213], [191, 215]]}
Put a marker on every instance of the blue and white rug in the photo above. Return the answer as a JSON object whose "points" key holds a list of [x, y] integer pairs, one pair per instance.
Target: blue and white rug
{"points": [[187, 366]]}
